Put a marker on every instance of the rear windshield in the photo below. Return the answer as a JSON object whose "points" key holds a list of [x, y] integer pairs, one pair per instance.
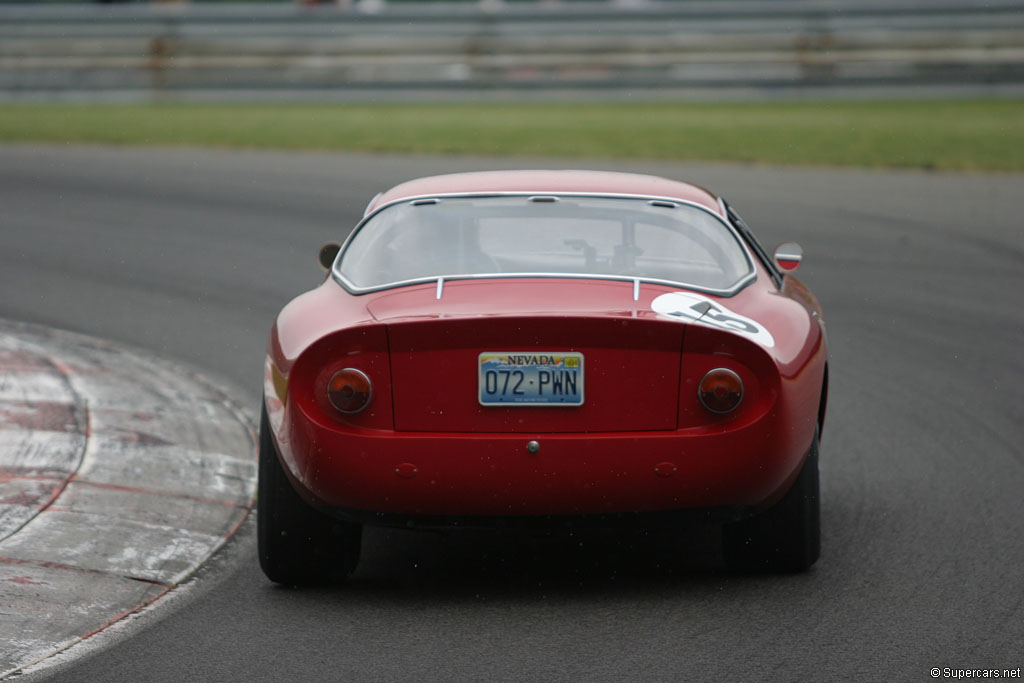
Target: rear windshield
{"points": [[547, 236]]}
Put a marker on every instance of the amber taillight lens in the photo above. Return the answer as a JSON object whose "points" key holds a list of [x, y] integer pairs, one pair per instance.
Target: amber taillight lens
{"points": [[349, 390], [721, 390]]}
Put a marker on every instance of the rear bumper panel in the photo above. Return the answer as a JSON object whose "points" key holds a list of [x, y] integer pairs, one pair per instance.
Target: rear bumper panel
{"points": [[496, 475]]}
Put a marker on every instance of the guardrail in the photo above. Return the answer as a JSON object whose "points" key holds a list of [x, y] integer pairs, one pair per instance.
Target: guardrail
{"points": [[686, 48]]}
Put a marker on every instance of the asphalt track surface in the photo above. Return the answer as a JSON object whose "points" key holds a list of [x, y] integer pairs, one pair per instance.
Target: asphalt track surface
{"points": [[190, 253]]}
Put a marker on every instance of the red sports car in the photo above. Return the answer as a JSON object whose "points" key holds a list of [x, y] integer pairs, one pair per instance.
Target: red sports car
{"points": [[544, 348]]}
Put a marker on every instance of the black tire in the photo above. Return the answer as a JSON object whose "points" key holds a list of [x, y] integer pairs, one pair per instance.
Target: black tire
{"points": [[298, 545], [787, 536]]}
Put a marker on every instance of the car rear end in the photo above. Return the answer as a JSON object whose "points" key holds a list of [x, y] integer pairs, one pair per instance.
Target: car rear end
{"points": [[444, 434]]}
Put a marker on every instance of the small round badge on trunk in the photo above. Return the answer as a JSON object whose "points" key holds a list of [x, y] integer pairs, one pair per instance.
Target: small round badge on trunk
{"points": [[533, 446]]}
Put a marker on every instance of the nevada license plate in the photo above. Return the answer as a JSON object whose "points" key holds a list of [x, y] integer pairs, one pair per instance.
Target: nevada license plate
{"points": [[531, 378]]}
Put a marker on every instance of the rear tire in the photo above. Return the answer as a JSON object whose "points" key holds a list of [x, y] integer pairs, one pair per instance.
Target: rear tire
{"points": [[298, 544], [787, 536]]}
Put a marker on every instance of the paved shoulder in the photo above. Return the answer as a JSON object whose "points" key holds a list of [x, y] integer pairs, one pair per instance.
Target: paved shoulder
{"points": [[120, 474]]}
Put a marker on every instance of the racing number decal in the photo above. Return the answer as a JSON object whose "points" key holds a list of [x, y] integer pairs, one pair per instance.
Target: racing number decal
{"points": [[698, 309], [712, 312]]}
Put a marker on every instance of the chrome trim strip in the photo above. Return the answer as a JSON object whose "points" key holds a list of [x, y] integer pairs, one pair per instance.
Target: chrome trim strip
{"points": [[356, 290], [366, 211], [540, 193], [636, 289], [353, 289], [440, 288]]}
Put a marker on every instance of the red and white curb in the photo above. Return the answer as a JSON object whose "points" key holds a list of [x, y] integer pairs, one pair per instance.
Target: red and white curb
{"points": [[120, 474]]}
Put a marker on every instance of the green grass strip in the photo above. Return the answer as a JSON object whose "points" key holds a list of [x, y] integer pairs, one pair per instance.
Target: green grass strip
{"points": [[958, 135]]}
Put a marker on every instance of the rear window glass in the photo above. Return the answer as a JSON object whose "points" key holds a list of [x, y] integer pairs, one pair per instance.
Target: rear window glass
{"points": [[518, 235]]}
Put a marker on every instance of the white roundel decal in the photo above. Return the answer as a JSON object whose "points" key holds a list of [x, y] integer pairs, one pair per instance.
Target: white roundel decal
{"points": [[695, 308]]}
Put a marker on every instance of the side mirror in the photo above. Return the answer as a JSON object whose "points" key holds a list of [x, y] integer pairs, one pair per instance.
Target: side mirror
{"points": [[788, 256], [325, 257]]}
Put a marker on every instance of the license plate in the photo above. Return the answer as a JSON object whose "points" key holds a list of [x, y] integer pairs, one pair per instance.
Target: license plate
{"points": [[531, 378]]}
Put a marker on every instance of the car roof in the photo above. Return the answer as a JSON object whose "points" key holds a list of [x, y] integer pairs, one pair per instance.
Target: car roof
{"points": [[549, 182]]}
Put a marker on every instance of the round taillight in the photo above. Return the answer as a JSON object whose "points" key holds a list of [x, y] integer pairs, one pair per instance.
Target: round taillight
{"points": [[720, 390], [349, 390]]}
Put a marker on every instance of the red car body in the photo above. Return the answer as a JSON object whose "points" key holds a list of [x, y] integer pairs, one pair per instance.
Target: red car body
{"points": [[426, 449]]}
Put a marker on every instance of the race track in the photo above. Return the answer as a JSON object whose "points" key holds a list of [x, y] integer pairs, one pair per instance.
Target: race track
{"points": [[189, 254]]}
